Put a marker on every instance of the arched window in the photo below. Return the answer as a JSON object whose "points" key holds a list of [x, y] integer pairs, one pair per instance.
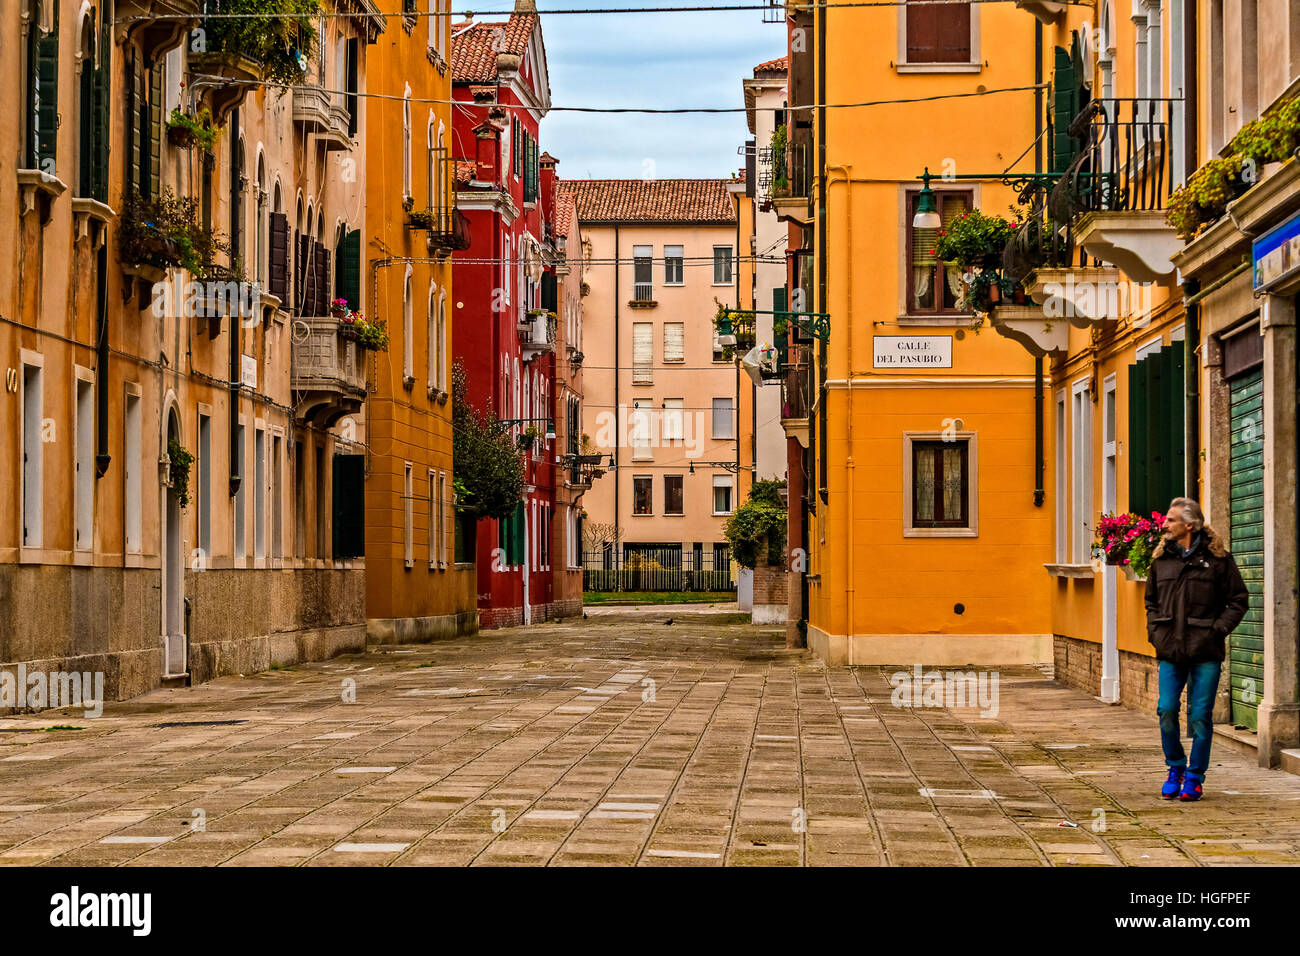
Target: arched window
{"points": [[515, 396], [263, 223], [86, 139], [432, 351], [408, 331], [527, 407], [431, 163], [237, 203], [442, 340]]}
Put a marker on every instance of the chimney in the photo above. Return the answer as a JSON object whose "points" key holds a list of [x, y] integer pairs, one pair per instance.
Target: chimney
{"points": [[486, 151], [546, 185]]}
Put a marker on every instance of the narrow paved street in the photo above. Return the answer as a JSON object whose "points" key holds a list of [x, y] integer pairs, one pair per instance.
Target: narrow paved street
{"points": [[618, 740]]}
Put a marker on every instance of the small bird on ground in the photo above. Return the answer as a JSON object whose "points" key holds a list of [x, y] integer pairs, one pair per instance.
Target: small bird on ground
{"points": [[669, 621]]}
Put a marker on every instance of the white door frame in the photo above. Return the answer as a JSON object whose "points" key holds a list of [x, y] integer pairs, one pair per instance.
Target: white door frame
{"points": [[1110, 573], [528, 557]]}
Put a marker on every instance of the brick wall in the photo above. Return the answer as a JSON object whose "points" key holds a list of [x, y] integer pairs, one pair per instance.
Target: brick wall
{"points": [[494, 617], [770, 585], [1078, 664]]}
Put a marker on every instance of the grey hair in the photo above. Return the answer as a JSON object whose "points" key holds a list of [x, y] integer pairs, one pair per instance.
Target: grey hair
{"points": [[1191, 512]]}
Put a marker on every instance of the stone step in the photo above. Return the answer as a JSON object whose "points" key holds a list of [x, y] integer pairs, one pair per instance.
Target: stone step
{"points": [[1291, 760], [1243, 741]]}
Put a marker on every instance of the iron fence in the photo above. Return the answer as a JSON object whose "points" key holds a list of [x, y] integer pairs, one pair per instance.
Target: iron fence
{"points": [[658, 568]]}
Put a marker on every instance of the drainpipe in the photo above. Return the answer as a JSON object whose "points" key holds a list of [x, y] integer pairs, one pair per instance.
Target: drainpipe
{"points": [[1192, 389], [849, 464], [618, 425], [235, 330], [1039, 493], [102, 457]]}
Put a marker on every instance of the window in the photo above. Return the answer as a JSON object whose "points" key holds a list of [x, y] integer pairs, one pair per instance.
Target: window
{"points": [[642, 273], [131, 470], [237, 468], [84, 491], [931, 289], [722, 418], [442, 341], [722, 494], [408, 329], [434, 519], [672, 425], [322, 505], [673, 494], [938, 33], [674, 341], [33, 456], [431, 373], [1156, 460], [441, 511], [259, 493], [642, 352], [1081, 473], [639, 434], [408, 516], [406, 143], [722, 265], [277, 463], [673, 262], [299, 500], [719, 354], [1062, 483], [642, 494], [940, 484], [205, 487]]}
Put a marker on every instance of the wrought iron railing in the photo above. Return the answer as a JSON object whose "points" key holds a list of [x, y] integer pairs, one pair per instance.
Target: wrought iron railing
{"points": [[1125, 162], [657, 568], [783, 171], [796, 382]]}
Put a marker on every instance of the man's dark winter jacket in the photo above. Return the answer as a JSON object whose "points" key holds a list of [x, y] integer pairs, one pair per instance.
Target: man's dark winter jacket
{"points": [[1194, 599]]}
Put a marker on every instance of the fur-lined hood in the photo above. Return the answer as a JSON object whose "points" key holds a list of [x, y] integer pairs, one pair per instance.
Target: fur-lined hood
{"points": [[1213, 543]]}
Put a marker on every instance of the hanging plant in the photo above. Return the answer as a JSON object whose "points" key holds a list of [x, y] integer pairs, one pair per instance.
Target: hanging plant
{"points": [[185, 130], [974, 239], [180, 462], [279, 35]]}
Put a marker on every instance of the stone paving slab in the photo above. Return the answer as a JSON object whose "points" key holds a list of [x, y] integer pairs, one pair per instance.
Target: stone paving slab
{"points": [[618, 740]]}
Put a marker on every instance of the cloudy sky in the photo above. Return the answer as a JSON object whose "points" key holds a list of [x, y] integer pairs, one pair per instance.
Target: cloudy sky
{"points": [[656, 60]]}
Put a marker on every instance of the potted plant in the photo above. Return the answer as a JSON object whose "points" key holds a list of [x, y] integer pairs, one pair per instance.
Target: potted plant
{"points": [[185, 130], [166, 232], [527, 438], [1128, 541], [371, 335], [179, 461], [339, 309], [419, 218]]}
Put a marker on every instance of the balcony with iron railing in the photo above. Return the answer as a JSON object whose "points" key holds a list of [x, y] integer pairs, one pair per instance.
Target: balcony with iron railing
{"points": [[796, 385], [447, 228], [328, 371], [784, 175], [1115, 192], [537, 333]]}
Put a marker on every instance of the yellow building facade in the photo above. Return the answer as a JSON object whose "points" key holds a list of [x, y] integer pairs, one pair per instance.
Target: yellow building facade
{"points": [[417, 587], [925, 536]]}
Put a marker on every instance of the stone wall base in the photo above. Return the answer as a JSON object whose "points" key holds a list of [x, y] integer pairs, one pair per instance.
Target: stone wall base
{"points": [[930, 650], [248, 655], [420, 630], [491, 618], [1077, 663]]}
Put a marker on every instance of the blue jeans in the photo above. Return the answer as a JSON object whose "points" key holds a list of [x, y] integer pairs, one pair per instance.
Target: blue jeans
{"points": [[1202, 680]]}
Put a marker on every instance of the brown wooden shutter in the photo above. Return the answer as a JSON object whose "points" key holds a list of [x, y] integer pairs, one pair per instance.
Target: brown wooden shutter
{"points": [[279, 278], [155, 122], [954, 33], [938, 33]]}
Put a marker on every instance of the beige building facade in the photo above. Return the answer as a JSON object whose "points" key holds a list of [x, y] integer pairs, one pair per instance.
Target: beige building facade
{"points": [[662, 399]]}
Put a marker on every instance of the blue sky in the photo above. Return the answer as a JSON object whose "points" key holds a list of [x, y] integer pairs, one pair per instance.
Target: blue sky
{"points": [[650, 59]]}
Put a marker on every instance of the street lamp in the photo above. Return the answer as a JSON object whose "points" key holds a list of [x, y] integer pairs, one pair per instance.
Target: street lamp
{"points": [[927, 212]]}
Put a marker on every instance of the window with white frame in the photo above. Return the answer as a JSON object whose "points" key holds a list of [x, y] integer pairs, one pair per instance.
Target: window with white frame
{"points": [[642, 353], [205, 486], [639, 434], [1062, 481], [132, 491], [722, 488], [434, 520], [442, 341], [1081, 472], [408, 515], [259, 493], [672, 420], [722, 265], [442, 519], [674, 259], [408, 328], [940, 484], [33, 456], [722, 421], [643, 273], [241, 542], [406, 143], [674, 342], [84, 442]]}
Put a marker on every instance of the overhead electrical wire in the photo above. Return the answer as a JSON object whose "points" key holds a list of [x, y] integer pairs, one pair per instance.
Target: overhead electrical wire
{"points": [[218, 81]]}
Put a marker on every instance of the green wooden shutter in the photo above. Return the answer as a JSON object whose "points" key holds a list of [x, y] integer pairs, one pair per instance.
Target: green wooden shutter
{"points": [[154, 133], [1065, 107], [349, 506], [102, 101], [47, 99], [1246, 516], [134, 96], [348, 268], [781, 342], [518, 528], [1137, 439]]}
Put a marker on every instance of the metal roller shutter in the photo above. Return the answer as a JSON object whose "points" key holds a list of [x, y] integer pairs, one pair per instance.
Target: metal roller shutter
{"points": [[1246, 510]]}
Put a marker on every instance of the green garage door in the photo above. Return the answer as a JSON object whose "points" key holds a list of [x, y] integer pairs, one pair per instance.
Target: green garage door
{"points": [[1246, 506]]}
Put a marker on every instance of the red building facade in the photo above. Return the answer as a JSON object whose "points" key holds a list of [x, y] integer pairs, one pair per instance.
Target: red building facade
{"points": [[506, 297]]}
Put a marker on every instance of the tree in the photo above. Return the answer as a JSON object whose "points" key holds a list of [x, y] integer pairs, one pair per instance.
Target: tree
{"points": [[489, 475], [759, 525]]}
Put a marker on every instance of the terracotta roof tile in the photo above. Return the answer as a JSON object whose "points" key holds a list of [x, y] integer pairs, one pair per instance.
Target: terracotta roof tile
{"points": [[564, 203], [655, 200], [779, 65], [473, 58]]}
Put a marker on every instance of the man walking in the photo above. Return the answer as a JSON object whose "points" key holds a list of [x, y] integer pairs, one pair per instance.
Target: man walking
{"points": [[1195, 597]]}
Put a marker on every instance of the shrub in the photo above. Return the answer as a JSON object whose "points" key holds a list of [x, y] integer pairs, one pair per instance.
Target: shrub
{"points": [[488, 474], [757, 525], [181, 460], [281, 43], [973, 239], [166, 232]]}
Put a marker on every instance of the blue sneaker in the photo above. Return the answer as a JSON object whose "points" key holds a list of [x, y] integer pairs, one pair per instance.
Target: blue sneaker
{"points": [[1191, 788], [1173, 784]]}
